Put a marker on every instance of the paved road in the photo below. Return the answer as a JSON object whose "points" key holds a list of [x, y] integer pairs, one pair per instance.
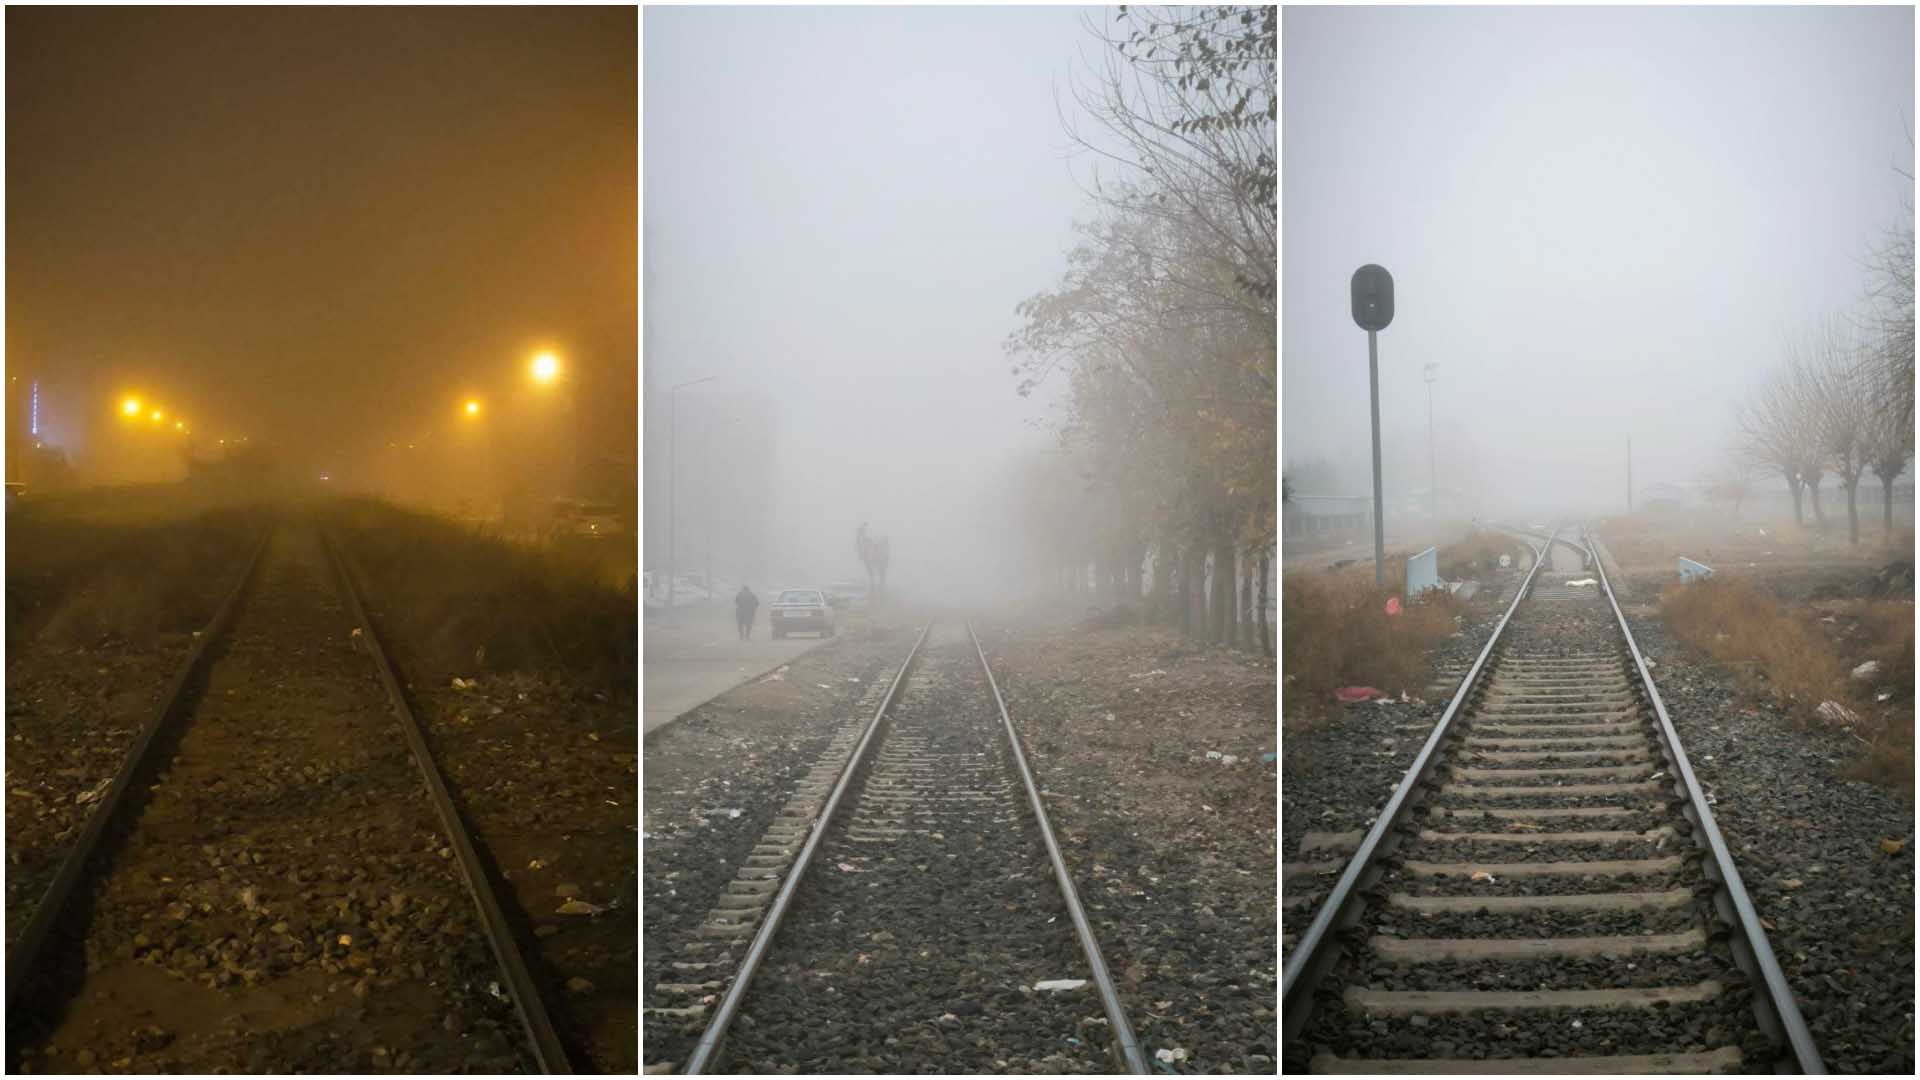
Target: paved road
{"points": [[696, 656]]}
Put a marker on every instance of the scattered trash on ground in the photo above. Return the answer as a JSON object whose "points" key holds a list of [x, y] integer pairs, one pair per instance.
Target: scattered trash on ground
{"points": [[1351, 694], [1059, 984], [1835, 713], [1584, 581], [1867, 670]]}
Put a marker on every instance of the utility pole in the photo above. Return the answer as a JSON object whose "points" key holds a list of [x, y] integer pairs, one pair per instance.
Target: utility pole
{"points": [[1629, 474], [706, 495], [1433, 460], [673, 468]]}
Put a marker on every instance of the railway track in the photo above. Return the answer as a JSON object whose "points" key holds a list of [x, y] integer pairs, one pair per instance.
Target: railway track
{"points": [[277, 878], [1546, 890], [917, 913]]}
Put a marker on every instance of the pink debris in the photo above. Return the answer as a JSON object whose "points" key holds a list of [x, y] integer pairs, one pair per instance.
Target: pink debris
{"points": [[1393, 605], [1350, 694]]}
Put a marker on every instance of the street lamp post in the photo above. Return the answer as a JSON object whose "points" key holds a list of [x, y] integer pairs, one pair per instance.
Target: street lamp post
{"points": [[706, 497], [673, 465], [1433, 461]]}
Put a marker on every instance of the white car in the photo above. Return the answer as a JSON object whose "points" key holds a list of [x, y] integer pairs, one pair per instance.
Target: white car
{"points": [[803, 611]]}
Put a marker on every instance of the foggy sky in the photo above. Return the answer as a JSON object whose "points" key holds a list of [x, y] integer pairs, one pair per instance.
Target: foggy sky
{"points": [[321, 226], [1600, 223], [842, 209]]}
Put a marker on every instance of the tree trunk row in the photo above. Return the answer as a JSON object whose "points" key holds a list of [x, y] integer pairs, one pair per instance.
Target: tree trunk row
{"points": [[1210, 590]]}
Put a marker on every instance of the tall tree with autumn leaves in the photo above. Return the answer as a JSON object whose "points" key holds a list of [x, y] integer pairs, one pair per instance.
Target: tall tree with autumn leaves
{"points": [[1162, 325]]}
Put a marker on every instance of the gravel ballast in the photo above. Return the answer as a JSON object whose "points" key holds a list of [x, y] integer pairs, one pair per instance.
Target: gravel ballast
{"points": [[920, 933], [1807, 841], [1563, 634], [284, 899], [1152, 750], [714, 781]]}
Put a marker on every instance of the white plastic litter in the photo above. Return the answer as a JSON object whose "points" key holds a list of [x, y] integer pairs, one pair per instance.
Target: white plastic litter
{"points": [[1585, 581], [1867, 670], [1060, 984], [1835, 713], [1178, 1053]]}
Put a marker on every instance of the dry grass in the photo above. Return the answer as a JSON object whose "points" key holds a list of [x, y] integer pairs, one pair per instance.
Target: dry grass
{"points": [[466, 602], [1739, 623], [1802, 658], [1334, 632], [115, 565], [1478, 555]]}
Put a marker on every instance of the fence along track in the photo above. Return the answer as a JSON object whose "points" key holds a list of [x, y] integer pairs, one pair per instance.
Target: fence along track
{"points": [[24, 958], [1546, 703], [1125, 1042]]}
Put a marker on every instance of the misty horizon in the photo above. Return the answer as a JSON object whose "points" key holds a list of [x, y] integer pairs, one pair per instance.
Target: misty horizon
{"points": [[1603, 225]]}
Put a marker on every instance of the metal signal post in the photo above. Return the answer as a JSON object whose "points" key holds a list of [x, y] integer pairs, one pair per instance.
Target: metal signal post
{"points": [[1373, 310]]}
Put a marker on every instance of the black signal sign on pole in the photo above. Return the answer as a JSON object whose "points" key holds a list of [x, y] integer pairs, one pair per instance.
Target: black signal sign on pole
{"points": [[1372, 297]]}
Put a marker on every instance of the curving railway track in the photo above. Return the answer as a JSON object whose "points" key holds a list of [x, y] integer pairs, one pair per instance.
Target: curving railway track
{"points": [[277, 878], [917, 913], [1546, 890]]}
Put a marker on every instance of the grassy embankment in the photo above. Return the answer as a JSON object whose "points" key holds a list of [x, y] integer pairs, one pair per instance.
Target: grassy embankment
{"points": [[1335, 630], [468, 602], [1804, 656], [120, 564]]}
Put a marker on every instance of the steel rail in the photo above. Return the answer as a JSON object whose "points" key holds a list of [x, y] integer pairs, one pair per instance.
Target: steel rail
{"points": [[1533, 534], [1779, 996], [24, 956], [709, 1044], [1123, 1036], [1296, 990], [527, 1001]]}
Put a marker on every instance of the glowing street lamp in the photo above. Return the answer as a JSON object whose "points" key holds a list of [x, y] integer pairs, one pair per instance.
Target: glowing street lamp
{"points": [[546, 368], [472, 408], [158, 416], [130, 407]]}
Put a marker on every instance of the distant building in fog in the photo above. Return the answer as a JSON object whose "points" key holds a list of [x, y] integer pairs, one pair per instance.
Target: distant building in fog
{"points": [[723, 481]]}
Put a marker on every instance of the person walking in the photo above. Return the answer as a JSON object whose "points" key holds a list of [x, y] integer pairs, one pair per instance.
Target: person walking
{"points": [[744, 605]]}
